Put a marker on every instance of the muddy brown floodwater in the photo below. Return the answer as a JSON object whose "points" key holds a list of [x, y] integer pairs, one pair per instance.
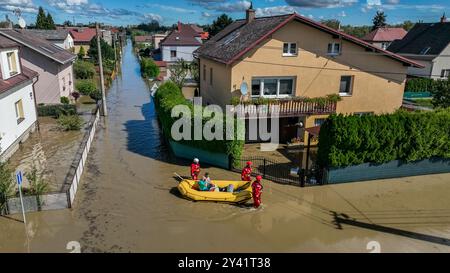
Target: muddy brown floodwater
{"points": [[128, 202]]}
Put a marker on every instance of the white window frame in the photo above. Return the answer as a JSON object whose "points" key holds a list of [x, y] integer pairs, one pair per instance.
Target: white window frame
{"points": [[333, 49], [6, 64], [277, 96], [445, 73], [20, 112], [349, 94], [289, 53]]}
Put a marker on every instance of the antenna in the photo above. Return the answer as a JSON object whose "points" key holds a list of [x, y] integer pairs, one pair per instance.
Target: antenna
{"points": [[22, 23]]}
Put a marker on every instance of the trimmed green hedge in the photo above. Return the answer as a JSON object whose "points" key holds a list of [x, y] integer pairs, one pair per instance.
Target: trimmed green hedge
{"points": [[168, 96], [56, 110], [422, 85], [406, 136]]}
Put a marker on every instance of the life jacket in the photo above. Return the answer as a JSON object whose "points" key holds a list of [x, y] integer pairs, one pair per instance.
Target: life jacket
{"points": [[195, 169], [246, 174], [257, 189]]}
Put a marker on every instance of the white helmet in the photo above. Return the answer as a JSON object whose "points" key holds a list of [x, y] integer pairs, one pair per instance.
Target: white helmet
{"points": [[196, 160]]}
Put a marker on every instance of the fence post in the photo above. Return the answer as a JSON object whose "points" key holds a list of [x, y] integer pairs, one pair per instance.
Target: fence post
{"points": [[264, 169]]}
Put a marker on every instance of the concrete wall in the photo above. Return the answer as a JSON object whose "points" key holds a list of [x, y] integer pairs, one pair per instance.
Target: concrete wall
{"points": [[183, 52], [49, 88], [12, 133], [393, 169]]}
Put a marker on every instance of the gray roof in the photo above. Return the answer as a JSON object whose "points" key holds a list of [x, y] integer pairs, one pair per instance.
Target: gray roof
{"points": [[39, 45], [51, 35], [424, 39], [240, 37], [7, 43]]}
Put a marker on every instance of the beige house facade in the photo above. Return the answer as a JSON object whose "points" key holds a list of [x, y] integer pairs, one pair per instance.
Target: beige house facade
{"points": [[301, 58]]}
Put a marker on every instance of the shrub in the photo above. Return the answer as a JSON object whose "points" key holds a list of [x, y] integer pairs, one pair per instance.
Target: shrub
{"points": [[76, 96], [83, 70], [55, 110], [85, 87], [405, 136], [70, 122], [168, 96], [6, 184], [149, 69], [96, 95], [423, 85], [64, 100]]}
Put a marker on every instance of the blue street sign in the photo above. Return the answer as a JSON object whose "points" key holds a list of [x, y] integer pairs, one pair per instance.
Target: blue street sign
{"points": [[19, 178]]}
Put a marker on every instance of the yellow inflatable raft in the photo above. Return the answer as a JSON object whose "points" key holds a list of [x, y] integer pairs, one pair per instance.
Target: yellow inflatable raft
{"points": [[242, 191]]}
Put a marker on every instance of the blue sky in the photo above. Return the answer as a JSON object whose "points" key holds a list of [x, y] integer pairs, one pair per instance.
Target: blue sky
{"points": [[124, 12]]}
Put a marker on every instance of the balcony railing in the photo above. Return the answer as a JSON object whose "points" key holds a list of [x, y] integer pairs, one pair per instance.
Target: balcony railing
{"points": [[289, 108]]}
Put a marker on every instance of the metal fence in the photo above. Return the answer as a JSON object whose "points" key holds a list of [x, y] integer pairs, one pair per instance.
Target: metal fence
{"points": [[276, 171], [64, 198]]}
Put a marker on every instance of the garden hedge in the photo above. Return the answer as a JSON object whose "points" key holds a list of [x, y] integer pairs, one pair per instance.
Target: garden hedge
{"points": [[405, 136], [168, 96], [423, 85], [55, 110]]}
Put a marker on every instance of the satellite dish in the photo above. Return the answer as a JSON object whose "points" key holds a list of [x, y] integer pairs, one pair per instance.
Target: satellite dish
{"points": [[22, 23], [244, 89]]}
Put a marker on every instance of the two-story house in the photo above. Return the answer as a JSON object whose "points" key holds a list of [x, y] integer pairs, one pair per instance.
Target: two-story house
{"points": [[82, 37], [17, 100], [181, 43], [288, 56], [54, 65], [429, 45]]}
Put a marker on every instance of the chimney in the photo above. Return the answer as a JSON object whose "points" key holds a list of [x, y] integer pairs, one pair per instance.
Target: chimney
{"points": [[250, 14], [443, 18]]}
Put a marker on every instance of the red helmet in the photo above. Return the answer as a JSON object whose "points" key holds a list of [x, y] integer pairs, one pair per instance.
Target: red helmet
{"points": [[249, 163], [259, 178]]}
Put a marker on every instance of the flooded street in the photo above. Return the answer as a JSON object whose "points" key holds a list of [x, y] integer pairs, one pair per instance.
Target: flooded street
{"points": [[128, 202]]}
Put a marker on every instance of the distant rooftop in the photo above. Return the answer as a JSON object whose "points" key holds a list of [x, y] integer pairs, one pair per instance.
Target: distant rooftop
{"points": [[385, 35], [424, 39]]}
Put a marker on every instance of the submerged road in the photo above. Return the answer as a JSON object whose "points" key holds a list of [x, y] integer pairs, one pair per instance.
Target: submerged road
{"points": [[128, 201]]}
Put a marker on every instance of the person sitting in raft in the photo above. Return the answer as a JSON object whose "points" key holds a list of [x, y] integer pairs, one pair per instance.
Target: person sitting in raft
{"points": [[195, 169], [205, 183]]}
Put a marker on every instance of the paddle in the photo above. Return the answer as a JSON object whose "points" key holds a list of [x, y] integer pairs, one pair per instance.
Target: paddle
{"points": [[179, 176]]}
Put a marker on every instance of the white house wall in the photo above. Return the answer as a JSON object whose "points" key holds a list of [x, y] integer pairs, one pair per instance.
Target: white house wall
{"points": [[10, 131], [183, 52], [440, 63]]}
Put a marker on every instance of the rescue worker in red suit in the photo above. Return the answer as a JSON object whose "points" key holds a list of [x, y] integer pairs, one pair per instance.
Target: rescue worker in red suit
{"points": [[195, 169], [257, 189], [247, 172]]}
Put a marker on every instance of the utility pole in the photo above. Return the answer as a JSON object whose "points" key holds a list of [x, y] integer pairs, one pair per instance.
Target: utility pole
{"points": [[102, 79]]}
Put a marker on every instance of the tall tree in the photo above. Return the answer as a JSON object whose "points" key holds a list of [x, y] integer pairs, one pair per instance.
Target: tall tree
{"points": [[50, 22], [41, 19], [219, 24], [379, 20], [107, 50], [67, 23]]}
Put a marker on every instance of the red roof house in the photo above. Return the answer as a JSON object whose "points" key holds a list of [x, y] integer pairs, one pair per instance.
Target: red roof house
{"points": [[383, 37]]}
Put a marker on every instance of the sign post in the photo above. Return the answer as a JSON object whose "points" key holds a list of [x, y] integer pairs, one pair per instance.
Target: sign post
{"points": [[19, 179]]}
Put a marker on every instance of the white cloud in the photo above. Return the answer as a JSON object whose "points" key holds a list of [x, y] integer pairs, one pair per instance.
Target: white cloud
{"points": [[271, 11], [152, 16], [321, 3], [232, 6], [26, 6], [170, 8], [84, 8]]}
